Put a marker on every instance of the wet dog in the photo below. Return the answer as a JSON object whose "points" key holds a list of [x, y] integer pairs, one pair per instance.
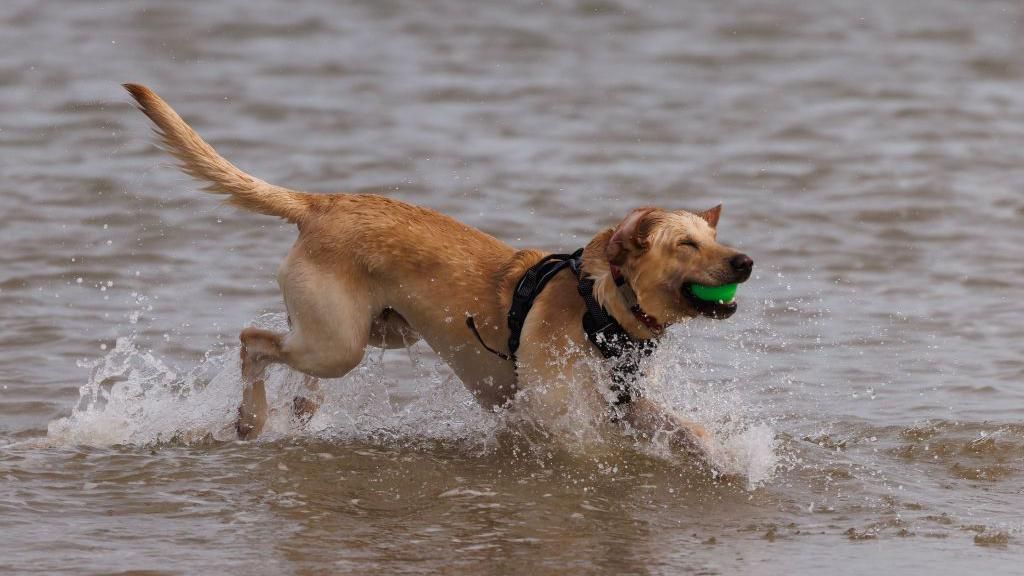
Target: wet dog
{"points": [[368, 270]]}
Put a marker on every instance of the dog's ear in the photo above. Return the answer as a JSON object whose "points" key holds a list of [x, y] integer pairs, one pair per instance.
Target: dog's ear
{"points": [[711, 215], [630, 235]]}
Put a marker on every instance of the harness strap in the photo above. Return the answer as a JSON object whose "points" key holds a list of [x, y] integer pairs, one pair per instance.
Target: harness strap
{"points": [[529, 287], [472, 327], [610, 338]]}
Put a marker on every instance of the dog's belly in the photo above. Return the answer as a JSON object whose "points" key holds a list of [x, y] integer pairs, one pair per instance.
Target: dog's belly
{"points": [[492, 383], [390, 330], [489, 378]]}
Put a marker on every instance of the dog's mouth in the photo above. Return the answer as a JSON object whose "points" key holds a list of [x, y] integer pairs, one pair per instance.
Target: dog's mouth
{"points": [[717, 309]]}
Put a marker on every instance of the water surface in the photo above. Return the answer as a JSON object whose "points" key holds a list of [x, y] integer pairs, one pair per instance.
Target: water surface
{"points": [[870, 156]]}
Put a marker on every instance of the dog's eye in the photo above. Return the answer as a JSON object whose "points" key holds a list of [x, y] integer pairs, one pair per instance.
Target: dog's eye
{"points": [[689, 244]]}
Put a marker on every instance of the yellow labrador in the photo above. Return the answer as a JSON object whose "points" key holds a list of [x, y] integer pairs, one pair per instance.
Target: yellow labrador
{"points": [[372, 271]]}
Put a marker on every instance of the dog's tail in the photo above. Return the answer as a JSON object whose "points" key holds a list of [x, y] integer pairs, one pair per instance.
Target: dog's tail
{"points": [[201, 161]]}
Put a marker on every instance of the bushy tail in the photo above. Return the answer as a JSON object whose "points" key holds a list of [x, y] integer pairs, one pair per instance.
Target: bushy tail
{"points": [[201, 161]]}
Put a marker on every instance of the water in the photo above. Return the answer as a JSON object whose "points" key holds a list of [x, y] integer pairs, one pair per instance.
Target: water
{"points": [[867, 394]]}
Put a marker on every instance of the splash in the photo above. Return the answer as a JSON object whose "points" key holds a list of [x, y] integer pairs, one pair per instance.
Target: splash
{"points": [[405, 396], [742, 442], [132, 397]]}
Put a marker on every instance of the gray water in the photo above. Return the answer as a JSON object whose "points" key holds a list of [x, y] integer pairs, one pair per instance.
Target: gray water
{"points": [[870, 156]]}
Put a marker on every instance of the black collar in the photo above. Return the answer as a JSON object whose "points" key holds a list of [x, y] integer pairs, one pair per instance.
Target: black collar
{"points": [[610, 338]]}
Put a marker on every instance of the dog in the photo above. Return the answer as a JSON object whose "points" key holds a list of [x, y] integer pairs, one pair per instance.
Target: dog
{"points": [[367, 270]]}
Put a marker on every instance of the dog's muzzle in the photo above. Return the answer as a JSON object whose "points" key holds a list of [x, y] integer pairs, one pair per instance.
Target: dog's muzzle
{"points": [[742, 266]]}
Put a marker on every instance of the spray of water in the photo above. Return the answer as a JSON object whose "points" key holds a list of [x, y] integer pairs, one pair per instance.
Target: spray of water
{"points": [[406, 396]]}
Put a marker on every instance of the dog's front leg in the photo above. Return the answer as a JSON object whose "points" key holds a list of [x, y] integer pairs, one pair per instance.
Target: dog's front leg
{"points": [[652, 421]]}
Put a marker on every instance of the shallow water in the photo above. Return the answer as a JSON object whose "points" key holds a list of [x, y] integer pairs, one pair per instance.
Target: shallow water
{"points": [[870, 156]]}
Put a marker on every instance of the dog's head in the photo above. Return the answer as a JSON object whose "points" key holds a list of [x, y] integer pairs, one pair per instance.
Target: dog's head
{"points": [[662, 254]]}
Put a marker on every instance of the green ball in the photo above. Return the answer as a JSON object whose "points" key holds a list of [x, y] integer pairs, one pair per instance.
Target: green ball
{"points": [[724, 293]]}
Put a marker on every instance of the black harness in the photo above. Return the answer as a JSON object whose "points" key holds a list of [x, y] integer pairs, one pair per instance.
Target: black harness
{"points": [[602, 330]]}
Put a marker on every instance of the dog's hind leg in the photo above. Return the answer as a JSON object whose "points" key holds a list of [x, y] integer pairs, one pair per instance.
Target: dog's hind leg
{"points": [[315, 356], [260, 348], [330, 314], [389, 330], [331, 318], [310, 355]]}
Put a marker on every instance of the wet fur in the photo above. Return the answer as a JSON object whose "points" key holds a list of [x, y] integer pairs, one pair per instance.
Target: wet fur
{"points": [[368, 270]]}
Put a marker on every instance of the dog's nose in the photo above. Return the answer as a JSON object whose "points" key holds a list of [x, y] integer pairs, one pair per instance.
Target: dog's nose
{"points": [[742, 264]]}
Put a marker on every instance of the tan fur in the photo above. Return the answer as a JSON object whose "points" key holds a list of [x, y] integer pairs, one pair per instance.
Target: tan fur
{"points": [[368, 270], [201, 161]]}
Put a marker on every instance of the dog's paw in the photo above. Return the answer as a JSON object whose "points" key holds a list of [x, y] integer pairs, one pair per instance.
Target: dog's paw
{"points": [[245, 425], [730, 479], [691, 440], [303, 408], [698, 431]]}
